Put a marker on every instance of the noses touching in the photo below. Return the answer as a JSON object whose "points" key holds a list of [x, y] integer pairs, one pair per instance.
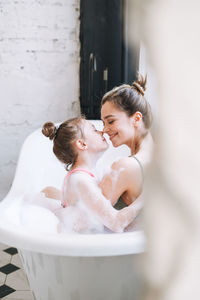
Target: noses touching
{"points": [[105, 129], [101, 132]]}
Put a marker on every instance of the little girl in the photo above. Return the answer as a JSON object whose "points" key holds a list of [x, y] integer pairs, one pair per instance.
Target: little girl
{"points": [[78, 144]]}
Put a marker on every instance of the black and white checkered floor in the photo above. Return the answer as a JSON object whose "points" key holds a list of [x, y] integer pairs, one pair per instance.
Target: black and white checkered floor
{"points": [[13, 281]]}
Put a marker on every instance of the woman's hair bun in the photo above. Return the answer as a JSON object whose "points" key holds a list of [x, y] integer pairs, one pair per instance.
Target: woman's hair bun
{"points": [[140, 84], [49, 130]]}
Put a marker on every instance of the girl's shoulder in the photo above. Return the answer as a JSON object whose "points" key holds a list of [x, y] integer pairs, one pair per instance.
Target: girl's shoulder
{"points": [[80, 177]]}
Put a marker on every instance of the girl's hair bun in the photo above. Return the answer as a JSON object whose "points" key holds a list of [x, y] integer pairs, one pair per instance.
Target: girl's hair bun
{"points": [[49, 130], [140, 84]]}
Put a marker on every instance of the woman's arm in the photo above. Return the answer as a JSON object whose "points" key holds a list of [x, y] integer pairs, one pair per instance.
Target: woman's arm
{"points": [[125, 175], [112, 185]]}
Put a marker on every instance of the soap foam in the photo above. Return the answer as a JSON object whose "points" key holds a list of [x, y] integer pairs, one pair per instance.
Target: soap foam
{"points": [[37, 213], [42, 214], [37, 218]]}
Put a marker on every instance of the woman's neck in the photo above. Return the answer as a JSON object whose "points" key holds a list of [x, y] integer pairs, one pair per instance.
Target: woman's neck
{"points": [[135, 145], [135, 142], [145, 152]]}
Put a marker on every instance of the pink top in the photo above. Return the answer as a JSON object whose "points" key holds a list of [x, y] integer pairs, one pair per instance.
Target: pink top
{"points": [[65, 204]]}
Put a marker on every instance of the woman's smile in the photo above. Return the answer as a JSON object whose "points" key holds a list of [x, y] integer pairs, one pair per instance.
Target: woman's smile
{"points": [[112, 135]]}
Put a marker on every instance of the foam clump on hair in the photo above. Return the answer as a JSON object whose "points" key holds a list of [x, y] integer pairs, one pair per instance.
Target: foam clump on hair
{"points": [[140, 84], [49, 130]]}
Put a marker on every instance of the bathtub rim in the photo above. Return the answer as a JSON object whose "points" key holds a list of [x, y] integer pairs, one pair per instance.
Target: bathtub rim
{"points": [[86, 245]]}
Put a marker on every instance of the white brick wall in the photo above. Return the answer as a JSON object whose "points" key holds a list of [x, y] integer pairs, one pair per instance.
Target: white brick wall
{"points": [[39, 72]]}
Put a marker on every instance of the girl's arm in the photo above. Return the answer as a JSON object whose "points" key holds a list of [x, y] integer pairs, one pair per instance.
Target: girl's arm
{"points": [[90, 194]]}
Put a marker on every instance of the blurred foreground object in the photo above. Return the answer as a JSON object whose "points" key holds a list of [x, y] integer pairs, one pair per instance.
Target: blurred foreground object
{"points": [[170, 31]]}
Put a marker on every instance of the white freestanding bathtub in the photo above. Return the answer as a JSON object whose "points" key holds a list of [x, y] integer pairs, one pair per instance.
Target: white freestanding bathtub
{"points": [[68, 266]]}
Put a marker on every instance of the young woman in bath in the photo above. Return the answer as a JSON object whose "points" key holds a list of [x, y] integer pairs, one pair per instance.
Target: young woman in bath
{"points": [[78, 144], [127, 118]]}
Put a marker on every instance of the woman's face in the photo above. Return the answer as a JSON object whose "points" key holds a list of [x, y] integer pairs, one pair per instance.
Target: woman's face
{"points": [[117, 125], [94, 138]]}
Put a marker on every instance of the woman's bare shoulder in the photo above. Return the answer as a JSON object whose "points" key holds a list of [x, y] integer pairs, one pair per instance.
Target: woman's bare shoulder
{"points": [[126, 163]]}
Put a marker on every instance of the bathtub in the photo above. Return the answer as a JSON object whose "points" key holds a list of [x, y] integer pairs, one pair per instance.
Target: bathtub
{"points": [[69, 266]]}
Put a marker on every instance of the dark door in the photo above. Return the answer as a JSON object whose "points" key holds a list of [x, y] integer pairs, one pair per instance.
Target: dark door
{"points": [[103, 53]]}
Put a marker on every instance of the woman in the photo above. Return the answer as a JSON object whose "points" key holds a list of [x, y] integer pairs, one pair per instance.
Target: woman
{"points": [[127, 118]]}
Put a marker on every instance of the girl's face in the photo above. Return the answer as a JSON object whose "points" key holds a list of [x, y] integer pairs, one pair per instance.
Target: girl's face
{"points": [[94, 138], [117, 125]]}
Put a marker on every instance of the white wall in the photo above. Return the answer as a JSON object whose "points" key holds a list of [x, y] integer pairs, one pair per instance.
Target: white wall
{"points": [[39, 72]]}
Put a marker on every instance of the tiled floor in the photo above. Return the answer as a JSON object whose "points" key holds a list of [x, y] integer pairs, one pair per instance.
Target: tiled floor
{"points": [[13, 281]]}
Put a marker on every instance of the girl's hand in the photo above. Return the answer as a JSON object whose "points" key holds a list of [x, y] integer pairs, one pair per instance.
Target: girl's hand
{"points": [[52, 192]]}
